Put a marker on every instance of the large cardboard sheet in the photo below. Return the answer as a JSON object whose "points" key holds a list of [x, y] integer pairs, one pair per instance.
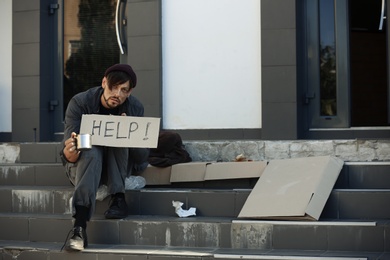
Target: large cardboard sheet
{"points": [[121, 131], [293, 189]]}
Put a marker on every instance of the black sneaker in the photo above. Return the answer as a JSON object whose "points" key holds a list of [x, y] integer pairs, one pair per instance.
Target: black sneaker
{"points": [[117, 209], [78, 240]]}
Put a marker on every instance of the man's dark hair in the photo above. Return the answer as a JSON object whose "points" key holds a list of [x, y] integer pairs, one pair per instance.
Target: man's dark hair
{"points": [[120, 78], [115, 78]]}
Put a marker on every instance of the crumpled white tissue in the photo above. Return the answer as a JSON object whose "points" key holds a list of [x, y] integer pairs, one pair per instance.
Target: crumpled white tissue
{"points": [[181, 212]]}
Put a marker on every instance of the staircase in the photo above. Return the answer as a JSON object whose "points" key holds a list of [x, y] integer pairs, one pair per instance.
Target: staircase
{"points": [[35, 216]]}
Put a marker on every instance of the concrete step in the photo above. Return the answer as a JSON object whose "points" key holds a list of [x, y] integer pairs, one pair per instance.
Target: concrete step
{"points": [[52, 251], [364, 175], [57, 200], [358, 204], [355, 150], [342, 203], [37, 174], [202, 232], [354, 175], [53, 174]]}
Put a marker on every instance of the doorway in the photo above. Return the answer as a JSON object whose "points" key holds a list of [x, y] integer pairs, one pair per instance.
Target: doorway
{"points": [[90, 44], [368, 63], [347, 64]]}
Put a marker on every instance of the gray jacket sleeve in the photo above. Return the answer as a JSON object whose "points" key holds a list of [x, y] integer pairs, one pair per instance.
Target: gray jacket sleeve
{"points": [[72, 118]]}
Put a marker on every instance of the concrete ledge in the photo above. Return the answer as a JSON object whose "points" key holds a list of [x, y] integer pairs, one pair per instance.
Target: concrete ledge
{"points": [[347, 150], [354, 150]]}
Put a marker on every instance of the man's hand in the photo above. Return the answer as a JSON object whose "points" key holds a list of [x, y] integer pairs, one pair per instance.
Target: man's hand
{"points": [[70, 151]]}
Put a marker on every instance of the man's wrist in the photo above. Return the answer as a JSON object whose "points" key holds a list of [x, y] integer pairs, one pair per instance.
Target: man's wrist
{"points": [[65, 159]]}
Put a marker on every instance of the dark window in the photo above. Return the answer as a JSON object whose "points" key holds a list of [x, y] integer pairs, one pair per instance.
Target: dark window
{"points": [[328, 85]]}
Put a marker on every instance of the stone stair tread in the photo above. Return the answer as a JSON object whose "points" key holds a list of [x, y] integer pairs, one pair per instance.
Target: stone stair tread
{"points": [[171, 189], [285, 254], [100, 217], [361, 190], [107, 248], [22, 247], [206, 219], [36, 187], [12, 164], [27, 215], [143, 190], [368, 163], [321, 222]]}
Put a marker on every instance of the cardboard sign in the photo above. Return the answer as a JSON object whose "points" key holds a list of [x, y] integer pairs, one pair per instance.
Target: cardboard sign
{"points": [[121, 131]]}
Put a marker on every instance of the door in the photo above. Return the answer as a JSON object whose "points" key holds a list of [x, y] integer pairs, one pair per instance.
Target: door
{"points": [[90, 43], [347, 64]]}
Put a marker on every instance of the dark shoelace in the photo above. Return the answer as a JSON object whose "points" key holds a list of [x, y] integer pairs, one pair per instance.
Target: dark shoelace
{"points": [[67, 237]]}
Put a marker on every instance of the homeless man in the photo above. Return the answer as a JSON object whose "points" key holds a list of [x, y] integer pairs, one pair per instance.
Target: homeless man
{"points": [[87, 170]]}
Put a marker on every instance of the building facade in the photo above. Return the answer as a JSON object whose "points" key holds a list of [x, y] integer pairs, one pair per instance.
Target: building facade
{"points": [[320, 68]]}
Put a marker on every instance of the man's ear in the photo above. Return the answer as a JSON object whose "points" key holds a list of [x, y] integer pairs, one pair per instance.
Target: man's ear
{"points": [[104, 82]]}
